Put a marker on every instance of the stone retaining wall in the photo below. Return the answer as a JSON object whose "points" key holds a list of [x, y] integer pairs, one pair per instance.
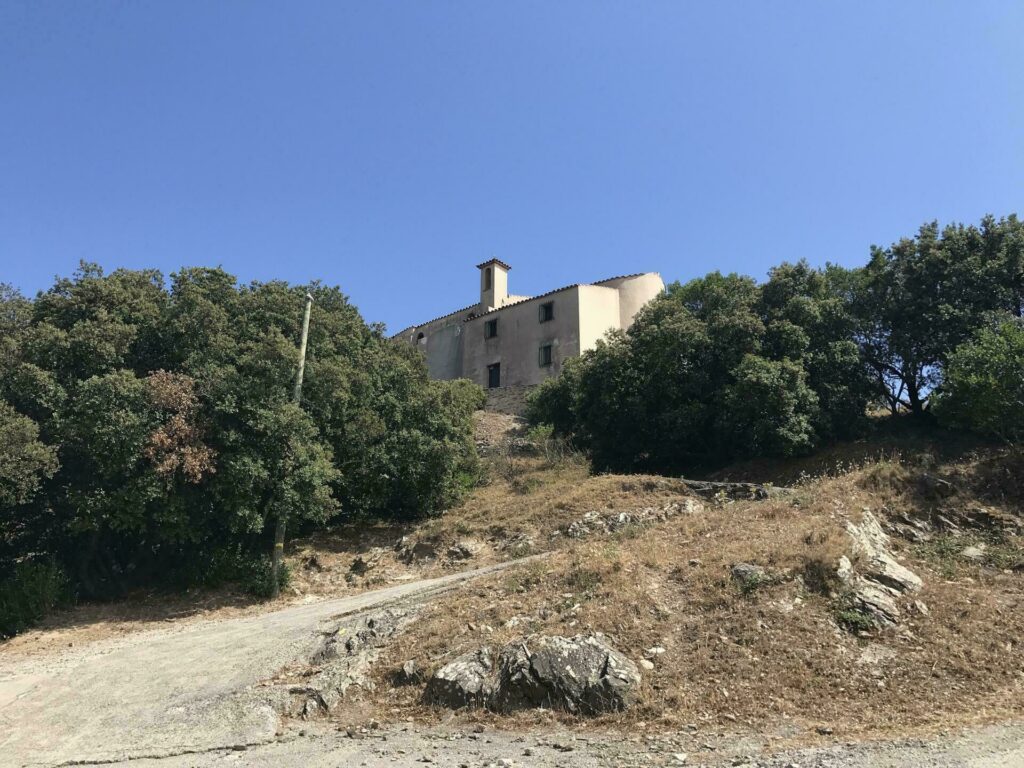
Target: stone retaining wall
{"points": [[511, 400]]}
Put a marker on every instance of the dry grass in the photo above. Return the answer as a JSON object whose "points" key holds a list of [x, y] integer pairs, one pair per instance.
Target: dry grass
{"points": [[771, 654], [737, 656]]}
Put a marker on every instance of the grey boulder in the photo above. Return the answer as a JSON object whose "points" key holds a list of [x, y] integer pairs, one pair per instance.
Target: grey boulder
{"points": [[464, 682], [581, 674]]}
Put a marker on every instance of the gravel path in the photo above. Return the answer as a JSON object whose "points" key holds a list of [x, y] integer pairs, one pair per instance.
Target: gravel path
{"points": [[991, 747], [183, 688]]}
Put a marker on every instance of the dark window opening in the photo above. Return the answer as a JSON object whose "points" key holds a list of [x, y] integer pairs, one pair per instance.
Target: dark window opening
{"points": [[420, 338], [547, 311], [490, 329], [544, 357], [487, 279], [494, 376]]}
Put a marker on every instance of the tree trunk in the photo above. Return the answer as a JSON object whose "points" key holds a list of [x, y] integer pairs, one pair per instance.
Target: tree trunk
{"points": [[914, 396]]}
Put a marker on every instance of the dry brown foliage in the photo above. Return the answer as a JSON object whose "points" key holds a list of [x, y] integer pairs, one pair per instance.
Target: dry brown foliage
{"points": [[177, 444]]}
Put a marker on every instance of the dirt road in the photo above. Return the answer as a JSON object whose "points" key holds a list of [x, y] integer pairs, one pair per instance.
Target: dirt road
{"points": [[999, 746], [183, 688]]}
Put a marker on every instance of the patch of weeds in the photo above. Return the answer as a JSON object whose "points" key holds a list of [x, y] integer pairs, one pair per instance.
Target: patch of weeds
{"points": [[526, 485], [463, 528], [628, 531], [853, 621], [886, 475], [580, 579], [525, 578], [943, 553], [1003, 556], [849, 617], [820, 576], [749, 583]]}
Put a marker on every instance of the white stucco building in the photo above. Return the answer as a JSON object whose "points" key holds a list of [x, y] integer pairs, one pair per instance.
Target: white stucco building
{"points": [[516, 341]]}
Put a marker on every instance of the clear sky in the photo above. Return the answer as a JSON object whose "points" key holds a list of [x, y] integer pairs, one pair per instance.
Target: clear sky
{"points": [[388, 147]]}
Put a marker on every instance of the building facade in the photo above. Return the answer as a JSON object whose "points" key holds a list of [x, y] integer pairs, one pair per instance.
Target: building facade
{"points": [[518, 341]]}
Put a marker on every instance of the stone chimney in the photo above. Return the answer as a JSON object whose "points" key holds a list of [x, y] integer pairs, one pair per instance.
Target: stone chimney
{"points": [[493, 284]]}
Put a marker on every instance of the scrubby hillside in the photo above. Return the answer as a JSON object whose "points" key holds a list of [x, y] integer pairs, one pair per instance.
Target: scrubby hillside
{"points": [[778, 608], [755, 612]]}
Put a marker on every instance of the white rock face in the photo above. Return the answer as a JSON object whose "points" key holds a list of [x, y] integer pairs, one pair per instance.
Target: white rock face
{"points": [[581, 674], [879, 580]]}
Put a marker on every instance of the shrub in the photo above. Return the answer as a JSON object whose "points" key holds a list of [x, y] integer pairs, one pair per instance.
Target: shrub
{"points": [[769, 409], [258, 578], [983, 389], [31, 591], [24, 461]]}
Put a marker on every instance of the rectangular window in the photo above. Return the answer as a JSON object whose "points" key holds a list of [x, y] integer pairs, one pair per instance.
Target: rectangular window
{"points": [[547, 311], [490, 329], [494, 376], [544, 356]]}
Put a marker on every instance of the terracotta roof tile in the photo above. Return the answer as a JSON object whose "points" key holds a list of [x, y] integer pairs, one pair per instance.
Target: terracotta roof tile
{"points": [[499, 262]]}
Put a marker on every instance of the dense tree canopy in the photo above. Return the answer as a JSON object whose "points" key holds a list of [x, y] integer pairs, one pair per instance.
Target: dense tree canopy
{"points": [[715, 369], [920, 298], [148, 429], [983, 390], [722, 367]]}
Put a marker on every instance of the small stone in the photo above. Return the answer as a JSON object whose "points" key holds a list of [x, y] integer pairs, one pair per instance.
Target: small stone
{"points": [[974, 553], [750, 577], [680, 757], [647, 664]]}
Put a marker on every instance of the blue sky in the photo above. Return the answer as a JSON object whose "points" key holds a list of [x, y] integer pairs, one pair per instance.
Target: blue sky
{"points": [[388, 147]]}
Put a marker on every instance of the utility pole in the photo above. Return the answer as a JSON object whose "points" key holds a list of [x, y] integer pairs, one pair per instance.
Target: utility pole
{"points": [[282, 515]]}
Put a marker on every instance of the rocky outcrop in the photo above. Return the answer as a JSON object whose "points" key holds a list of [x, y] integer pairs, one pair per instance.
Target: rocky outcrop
{"points": [[416, 551], [735, 491], [464, 549], [878, 581], [583, 674], [465, 682], [597, 522], [341, 660]]}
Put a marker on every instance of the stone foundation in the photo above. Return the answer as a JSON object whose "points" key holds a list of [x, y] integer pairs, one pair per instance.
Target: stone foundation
{"points": [[510, 400]]}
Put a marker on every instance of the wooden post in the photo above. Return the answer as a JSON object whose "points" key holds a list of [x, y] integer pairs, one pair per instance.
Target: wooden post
{"points": [[282, 514]]}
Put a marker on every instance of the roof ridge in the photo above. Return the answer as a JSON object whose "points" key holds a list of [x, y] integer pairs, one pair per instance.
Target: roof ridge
{"points": [[521, 301]]}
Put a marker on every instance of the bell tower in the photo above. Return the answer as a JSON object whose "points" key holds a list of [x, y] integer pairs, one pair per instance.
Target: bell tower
{"points": [[493, 284]]}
